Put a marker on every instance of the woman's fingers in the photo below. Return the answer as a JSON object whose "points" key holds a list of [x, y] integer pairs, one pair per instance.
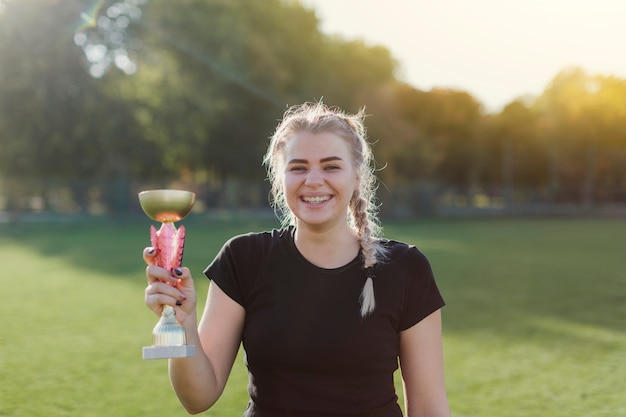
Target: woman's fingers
{"points": [[165, 287], [158, 293], [186, 287], [149, 255], [156, 273], [174, 288], [183, 277]]}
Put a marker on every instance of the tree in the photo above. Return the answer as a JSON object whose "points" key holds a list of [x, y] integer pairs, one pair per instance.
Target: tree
{"points": [[228, 69], [56, 121], [515, 148], [586, 116]]}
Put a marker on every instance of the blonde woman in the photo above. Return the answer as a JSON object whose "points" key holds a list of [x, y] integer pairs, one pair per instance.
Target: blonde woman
{"points": [[325, 307]]}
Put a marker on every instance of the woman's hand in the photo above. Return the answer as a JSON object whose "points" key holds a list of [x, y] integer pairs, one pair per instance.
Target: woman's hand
{"points": [[174, 288]]}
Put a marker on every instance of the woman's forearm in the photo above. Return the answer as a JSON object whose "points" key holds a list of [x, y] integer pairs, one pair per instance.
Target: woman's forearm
{"points": [[199, 381], [194, 379]]}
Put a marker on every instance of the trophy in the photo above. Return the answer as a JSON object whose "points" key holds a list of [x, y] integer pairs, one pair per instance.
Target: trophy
{"points": [[167, 207]]}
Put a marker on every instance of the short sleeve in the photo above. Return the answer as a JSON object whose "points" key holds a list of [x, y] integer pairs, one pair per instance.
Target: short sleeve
{"points": [[230, 268], [422, 296]]}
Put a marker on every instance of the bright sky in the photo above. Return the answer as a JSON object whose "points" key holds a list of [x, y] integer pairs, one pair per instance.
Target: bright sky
{"points": [[497, 50]]}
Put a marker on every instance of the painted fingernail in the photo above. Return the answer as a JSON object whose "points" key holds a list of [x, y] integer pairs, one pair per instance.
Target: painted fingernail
{"points": [[179, 303], [178, 271], [150, 251]]}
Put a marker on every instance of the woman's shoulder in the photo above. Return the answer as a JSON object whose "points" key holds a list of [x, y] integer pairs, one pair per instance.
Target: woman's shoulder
{"points": [[256, 240], [400, 252], [399, 248]]}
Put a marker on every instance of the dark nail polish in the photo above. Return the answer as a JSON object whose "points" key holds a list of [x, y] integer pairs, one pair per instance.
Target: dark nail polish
{"points": [[150, 251], [179, 303], [178, 271]]}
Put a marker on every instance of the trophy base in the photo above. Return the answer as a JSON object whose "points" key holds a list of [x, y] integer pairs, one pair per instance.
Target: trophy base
{"points": [[165, 352]]}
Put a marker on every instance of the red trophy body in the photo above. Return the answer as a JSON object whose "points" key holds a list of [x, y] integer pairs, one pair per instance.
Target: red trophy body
{"points": [[167, 207]]}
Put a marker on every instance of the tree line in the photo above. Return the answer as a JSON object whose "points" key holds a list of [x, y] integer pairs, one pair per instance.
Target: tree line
{"points": [[96, 93]]}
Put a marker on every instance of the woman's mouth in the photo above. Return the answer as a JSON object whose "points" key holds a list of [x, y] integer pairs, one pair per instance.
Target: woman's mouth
{"points": [[315, 199]]}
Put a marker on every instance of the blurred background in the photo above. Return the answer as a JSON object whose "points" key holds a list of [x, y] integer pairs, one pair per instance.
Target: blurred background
{"points": [[101, 99], [482, 114]]}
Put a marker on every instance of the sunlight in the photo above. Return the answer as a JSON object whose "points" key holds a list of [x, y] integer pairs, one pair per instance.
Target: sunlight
{"points": [[123, 62], [88, 18], [572, 329], [102, 36], [485, 47], [95, 53]]}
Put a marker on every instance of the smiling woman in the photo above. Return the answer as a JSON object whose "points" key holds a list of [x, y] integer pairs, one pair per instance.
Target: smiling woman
{"points": [[314, 129], [325, 307]]}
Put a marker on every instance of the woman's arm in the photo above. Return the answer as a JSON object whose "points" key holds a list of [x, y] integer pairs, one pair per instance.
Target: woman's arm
{"points": [[421, 364], [199, 381]]}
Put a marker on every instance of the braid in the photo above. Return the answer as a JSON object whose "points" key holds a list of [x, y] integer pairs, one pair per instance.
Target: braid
{"points": [[370, 249], [362, 223]]}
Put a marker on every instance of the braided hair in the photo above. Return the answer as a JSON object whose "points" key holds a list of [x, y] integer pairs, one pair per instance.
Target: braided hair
{"points": [[363, 210]]}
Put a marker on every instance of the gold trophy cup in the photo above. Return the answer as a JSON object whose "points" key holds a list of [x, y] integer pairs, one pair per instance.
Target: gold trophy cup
{"points": [[167, 207]]}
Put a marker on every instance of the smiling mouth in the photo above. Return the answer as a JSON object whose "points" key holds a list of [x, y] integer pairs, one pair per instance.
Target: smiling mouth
{"points": [[316, 200]]}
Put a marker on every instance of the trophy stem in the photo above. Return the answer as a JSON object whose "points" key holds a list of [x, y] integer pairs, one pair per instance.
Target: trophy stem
{"points": [[167, 331]]}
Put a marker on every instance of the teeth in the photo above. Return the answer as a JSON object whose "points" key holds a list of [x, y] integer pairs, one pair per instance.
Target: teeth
{"points": [[316, 200]]}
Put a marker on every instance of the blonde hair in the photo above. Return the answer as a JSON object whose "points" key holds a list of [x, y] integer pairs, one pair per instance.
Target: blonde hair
{"points": [[363, 210]]}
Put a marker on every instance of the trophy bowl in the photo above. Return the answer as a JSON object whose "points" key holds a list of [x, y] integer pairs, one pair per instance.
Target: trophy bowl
{"points": [[167, 206]]}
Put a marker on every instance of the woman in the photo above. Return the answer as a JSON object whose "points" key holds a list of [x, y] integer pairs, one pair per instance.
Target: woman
{"points": [[325, 307]]}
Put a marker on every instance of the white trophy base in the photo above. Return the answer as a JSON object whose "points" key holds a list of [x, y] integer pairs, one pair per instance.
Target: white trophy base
{"points": [[164, 352]]}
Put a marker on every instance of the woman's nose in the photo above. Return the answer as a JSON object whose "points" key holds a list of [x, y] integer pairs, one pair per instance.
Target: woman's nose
{"points": [[314, 177]]}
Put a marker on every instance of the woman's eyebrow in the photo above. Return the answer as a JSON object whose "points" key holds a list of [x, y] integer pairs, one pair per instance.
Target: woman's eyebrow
{"points": [[305, 161], [331, 158], [298, 161]]}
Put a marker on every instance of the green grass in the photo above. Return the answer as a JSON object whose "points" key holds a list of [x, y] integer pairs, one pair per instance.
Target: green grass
{"points": [[534, 326]]}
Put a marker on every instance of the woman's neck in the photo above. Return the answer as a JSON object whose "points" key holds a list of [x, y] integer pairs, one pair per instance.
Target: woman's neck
{"points": [[327, 248]]}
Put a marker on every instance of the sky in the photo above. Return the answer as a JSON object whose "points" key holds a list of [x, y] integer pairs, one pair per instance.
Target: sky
{"points": [[496, 50]]}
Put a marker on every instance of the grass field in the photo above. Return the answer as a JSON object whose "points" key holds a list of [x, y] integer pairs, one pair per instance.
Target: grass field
{"points": [[535, 323]]}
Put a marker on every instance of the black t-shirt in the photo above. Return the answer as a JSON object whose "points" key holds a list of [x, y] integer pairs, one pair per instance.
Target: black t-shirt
{"points": [[308, 350]]}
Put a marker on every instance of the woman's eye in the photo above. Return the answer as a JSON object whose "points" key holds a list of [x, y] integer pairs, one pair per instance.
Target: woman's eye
{"points": [[332, 167], [297, 168]]}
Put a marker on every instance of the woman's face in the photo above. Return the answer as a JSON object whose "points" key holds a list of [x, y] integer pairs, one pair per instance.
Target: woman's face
{"points": [[319, 178]]}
